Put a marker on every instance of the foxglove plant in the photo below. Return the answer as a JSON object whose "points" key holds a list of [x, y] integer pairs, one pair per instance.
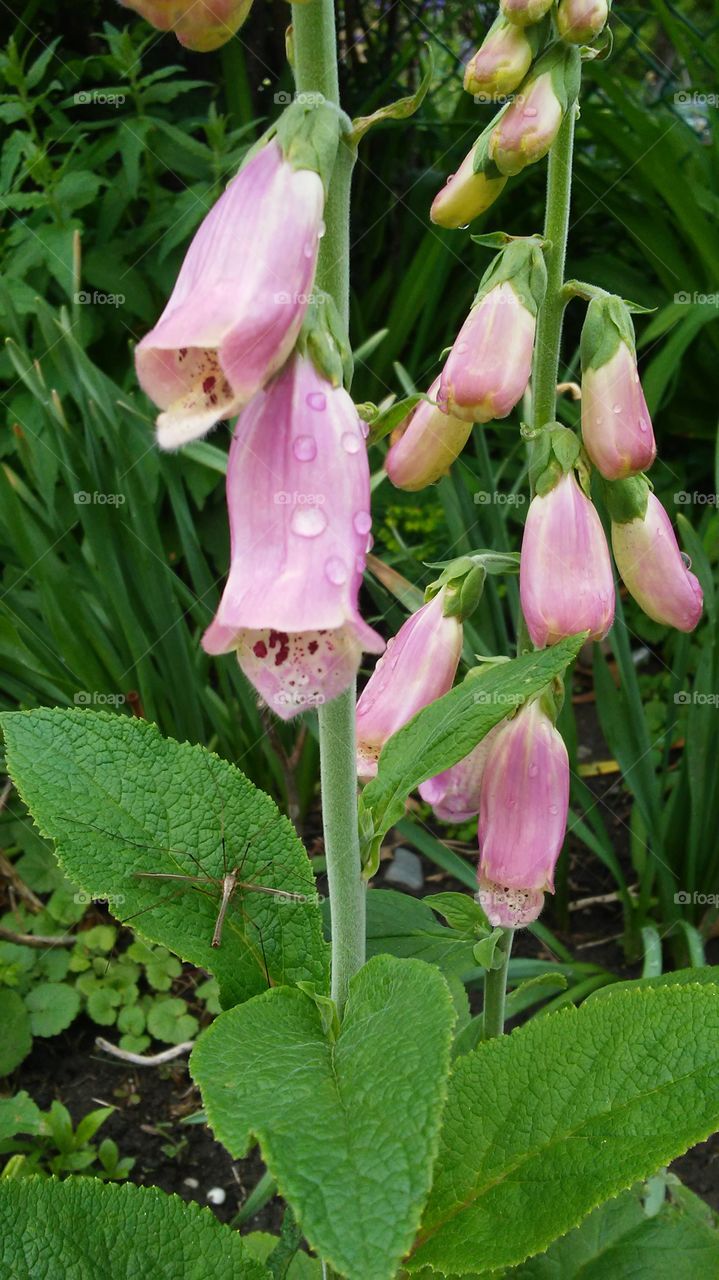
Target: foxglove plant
{"points": [[201, 25], [426, 444]]}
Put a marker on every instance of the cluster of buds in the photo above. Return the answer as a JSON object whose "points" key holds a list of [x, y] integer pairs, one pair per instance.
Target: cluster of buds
{"points": [[243, 332], [201, 25], [485, 374]]}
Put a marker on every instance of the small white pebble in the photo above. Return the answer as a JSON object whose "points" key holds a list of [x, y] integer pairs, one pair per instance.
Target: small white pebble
{"points": [[217, 1195], [192, 1183]]}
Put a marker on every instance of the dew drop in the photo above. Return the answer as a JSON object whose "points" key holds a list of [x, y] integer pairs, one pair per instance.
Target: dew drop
{"points": [[359, 564], [362, 522], [308, 522], [533, 770], [460, 347], [617, 408], [304, 448], [316, 400], [529, 113], [309, 249], [553, 808], [336, 570], [643, 424], [350, 442], [364, 428], [321, 231]]}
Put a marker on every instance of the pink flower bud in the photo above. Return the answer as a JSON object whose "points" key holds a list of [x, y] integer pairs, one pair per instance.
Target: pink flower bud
{"points": [[419, 665], [525, 12], [454, 794], [465, 195], [298, 500], [527, 129], [201, 25], [429, 443], [501, 63], [654, 571], [488, 368], [522, 816], [580, 21], [616, 426], [566, 583], [239, 300]]}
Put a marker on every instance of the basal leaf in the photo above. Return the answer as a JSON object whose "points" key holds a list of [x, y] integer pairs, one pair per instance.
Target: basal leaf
{"points": [[348, 1128], [118, 798], [83, 1228], [545, 1124]]}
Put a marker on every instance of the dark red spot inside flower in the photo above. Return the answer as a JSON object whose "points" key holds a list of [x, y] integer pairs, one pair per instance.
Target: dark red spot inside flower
{"points": [[182, 353], [313, 646], [281, 641], [208, 385], [260, 649]]}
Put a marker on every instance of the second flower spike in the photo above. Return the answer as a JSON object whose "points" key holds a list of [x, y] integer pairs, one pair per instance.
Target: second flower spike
{"points": [[298, 500], [240, 298]]}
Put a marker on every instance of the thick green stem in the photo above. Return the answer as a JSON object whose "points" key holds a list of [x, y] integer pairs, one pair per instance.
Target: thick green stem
{"points": [[314, 44], [551, 313], [495, 989]]}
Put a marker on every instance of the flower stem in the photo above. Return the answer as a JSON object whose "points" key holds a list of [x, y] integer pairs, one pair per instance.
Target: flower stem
{"points": [[315, 63], [495, 989]]}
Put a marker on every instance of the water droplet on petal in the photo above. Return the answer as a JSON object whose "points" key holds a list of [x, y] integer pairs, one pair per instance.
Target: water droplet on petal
{"points": [[350, 442], [553, 808], [321, 231], [529, 113], [364, 428], [359, 564], [533, 770], [308, 522], [643, 424], [617, 408], [686, 560], [460, 347], [316, 400], [336, 570], [362, 522], [304, 448]]}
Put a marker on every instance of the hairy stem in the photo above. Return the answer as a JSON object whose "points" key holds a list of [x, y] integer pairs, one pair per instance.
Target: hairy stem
{"points": [[315, 62], [495, 989]]}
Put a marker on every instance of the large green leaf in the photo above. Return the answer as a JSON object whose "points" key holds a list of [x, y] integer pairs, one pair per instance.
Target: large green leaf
{"points": [[545, 1124], [348, 1128], [83, 1228], [399, 925], [450, 728], [118, 798]]}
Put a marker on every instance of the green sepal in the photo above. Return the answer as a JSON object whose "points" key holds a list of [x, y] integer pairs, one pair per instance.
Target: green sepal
{"points": [[500, 239], [555, 452], [493, 562], [608, 322], [324, 340], [565, 64], [309, 132], [627, 499], [463, 583], [522, 265], [383, 421], [399, 110], [482, 162], [485, 951], [551, 700]]}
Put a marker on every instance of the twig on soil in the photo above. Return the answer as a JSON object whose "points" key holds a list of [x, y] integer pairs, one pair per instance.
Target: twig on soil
{"points": [[36, 939], [142, 1059], [599, 899]]}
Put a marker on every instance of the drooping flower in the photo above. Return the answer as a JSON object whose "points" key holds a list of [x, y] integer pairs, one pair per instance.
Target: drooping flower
{"points": [[616, 426], [566, 583], [201, 25], [524, 801], [525, 132], [467, 193], [501, 62], [298, 499], [653, 569], [525, 12], [428, 443], [239, 301], [454, 794], [419, 665], [580, 21], [488, 368]]}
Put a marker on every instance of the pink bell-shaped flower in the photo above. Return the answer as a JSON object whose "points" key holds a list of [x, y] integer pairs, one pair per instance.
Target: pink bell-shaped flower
{"points": [[653, 568], [239, 301], [428, 443], [419, 665], [580, 21], [298, 499], [454, 794], [524, 802], [488, 368], [201, 25], [566, 583], [616, 426]]}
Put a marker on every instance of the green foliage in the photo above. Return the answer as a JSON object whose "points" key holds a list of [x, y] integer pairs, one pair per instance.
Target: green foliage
{"points": [[626, 1084], [118, 799], [86, 1229], [268, 1069], [46, 1143]]}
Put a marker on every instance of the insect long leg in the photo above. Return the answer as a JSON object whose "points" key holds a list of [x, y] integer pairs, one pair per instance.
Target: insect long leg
{"points": [[229, 884]]}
